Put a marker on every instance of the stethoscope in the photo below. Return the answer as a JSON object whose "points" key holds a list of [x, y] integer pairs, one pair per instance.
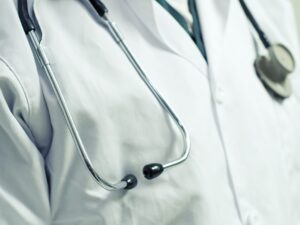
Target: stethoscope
{"points": [[151, 170], [278, 55]]}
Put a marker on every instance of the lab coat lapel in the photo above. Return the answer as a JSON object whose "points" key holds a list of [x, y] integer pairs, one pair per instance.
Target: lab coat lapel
{"points": [[168, 32], [214, 16]]}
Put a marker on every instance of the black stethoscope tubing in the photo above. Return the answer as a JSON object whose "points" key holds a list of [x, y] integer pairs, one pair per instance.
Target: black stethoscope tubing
{"points": [[262, 35]]}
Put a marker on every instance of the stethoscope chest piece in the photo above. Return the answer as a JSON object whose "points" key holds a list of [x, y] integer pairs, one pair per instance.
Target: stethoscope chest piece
{"points": [[274, 69]]}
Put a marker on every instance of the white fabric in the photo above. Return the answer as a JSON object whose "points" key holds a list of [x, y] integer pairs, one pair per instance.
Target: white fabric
{"points": [[245, 159]]}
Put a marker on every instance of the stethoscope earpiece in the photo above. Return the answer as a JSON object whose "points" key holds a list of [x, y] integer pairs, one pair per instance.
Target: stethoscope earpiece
{"points": [[153, 170], [131, 181]]}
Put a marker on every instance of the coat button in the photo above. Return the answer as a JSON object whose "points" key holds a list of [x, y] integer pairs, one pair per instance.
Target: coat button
{"points": [[252, 219], [219, 95]]}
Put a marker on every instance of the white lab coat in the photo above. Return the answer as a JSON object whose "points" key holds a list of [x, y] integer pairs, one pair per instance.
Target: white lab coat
{"points": [[244, 167]]}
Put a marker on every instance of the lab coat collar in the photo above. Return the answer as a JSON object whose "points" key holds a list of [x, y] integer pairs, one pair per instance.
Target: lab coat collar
{"points": [[170, 35], [213, 18]]}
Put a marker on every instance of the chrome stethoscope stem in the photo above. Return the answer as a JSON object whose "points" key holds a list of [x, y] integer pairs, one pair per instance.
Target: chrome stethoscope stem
{"points": [[67, 115], [186, 139]]}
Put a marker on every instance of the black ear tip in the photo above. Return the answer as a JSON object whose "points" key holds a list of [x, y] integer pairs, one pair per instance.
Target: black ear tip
{"points": [[131, 181], [153, 170]]}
